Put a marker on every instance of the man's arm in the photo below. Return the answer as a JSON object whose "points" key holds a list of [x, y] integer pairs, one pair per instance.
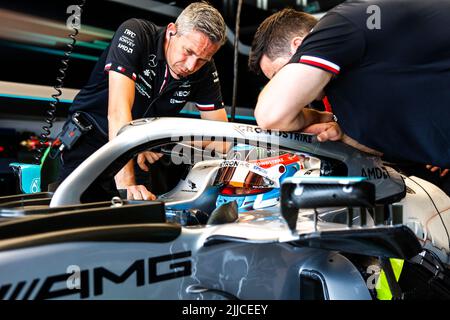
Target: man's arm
{"points": [[120, 103], [281, 105], [216, 115], [282, 100]]}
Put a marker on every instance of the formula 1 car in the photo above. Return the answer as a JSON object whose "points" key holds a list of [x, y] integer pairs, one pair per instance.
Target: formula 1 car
{"points": [[261, 214]]}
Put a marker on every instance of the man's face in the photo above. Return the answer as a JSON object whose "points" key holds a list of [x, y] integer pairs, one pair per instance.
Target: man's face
{"points": [[271, 67], [187, 53]]}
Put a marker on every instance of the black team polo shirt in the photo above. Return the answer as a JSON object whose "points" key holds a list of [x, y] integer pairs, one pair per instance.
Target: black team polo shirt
{"points": [[391, 86], [137, 51]]}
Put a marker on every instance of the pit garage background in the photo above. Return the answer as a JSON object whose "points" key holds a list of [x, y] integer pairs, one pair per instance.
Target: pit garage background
{"points": [[33, 39]]}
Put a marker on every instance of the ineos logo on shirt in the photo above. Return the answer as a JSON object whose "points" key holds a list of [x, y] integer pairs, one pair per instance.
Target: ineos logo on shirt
{"points": [[181, 93]]}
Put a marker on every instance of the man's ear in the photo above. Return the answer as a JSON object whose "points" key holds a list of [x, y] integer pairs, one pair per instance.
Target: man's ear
{"points": [[295, 43], [171, 30]]}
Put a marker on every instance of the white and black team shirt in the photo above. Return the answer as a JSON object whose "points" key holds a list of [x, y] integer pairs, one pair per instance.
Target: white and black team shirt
{"points": [[137, 51], [391, 84]]}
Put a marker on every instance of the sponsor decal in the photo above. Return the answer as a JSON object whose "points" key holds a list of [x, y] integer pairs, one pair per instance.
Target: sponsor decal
{"points": [[130, 33], [284, 159], [145, 82], [91, 282], [230, 163], [140, 88], [181, 93], [174, 101], [375, 173], [127, 41], [258, 169], [35, 185], [297, 136], [309, 172], [191, 184], [125, 48], [251, 167]]}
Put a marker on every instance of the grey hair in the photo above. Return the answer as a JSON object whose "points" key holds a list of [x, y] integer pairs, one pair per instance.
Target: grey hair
{"points": [[204, 18]]}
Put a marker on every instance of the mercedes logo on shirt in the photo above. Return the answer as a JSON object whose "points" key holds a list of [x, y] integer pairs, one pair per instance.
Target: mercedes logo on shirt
{"points": [[152, 61]]}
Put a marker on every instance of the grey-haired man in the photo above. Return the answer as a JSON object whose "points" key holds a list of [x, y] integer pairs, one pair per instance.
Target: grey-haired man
{"points": [[149, 71]]}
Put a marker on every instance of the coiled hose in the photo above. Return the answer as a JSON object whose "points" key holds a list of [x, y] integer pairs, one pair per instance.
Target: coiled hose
{"points": [[51, 112]]}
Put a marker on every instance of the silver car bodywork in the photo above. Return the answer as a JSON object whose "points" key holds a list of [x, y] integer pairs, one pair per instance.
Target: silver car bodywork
{"points": [[255, 257]]}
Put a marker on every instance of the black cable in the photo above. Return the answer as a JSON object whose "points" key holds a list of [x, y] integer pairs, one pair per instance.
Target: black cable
{"points": [[167, 62], [236, 54], [437, 210], [51, 112]]}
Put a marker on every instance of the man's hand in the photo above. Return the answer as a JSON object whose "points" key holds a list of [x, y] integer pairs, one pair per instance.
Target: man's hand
{"points": [[325, 131], [330, 131], [442, 172], [125, 180], [147, 156], [139, 192]]}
